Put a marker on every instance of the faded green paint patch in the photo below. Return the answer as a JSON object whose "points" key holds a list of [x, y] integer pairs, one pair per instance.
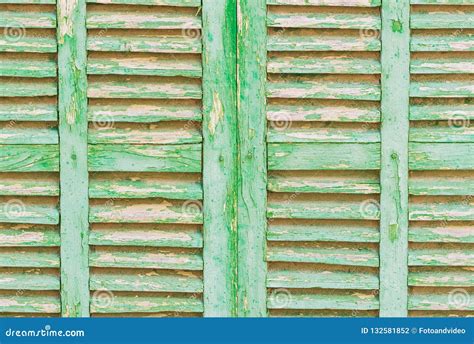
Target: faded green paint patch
{"points": [[393, 232], [397, 26]]}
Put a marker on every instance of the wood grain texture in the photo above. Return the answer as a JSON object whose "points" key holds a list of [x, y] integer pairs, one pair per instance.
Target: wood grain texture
{"points": [[72, 56], [220, 157], [394, 165]]}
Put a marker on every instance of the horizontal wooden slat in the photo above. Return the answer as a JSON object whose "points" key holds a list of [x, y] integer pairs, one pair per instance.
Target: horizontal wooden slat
{"points": [[459, 112], [442, 20], [15, 211], [40, 88], [459, 278], [447, 42], [143, 20], [175, 237], [329, 113], [29, 238], [441, 302], [323, 255], [29, 68], [185, 282], [29, 158], [149, 259], [442, 233], [28, 187], [442, 89], [184, 3], [148, 304], [141, 89], [321, 279], [441, 156], [317, 184], [351, 3], [29, 304], [324, 20], [442, 66], [329, 233], [322, 43], [141, 158], [27, 112], [309, 134], [143, 113], [323, 156], [442, 134], [459, 210], [441, 2], [326, 65], [159, 211], [136, 187], [441, 257], [150, 135], [349, 300], [29, 280], [157, 44], [24, 2], [323, 88], [30, 44], [144, 66], [29, 259], [27, 20], [29, 136], [440, 187]]}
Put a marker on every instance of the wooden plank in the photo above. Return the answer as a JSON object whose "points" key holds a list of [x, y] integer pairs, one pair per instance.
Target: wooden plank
{"points": [[308, 134], [143, 113], [441, 257], [331, 64], [138, 187], [460, 111], [347, 300], [356, 21], [446, 42], [29, 68], [323, 87], [143, 20], [16, 211], [147, 259], [143, 135], [330, 156], [440, 302], [302, 279], [29, 258], [220, 157], [441, 186], [156, 44], [449, 134], [179, 3], [120, 235], [27, 19], [29, 238], [29, 136], [442, 89], [349, 3], [145, 158], [158, 211], [442, 233], [28, 112], [442, 19], [29, 158], [178, 282], [10, 186], [30, 44], [441, 2], [251, 106], [28, 280], [142, 89], [458, 210], [394, 165], [39, 88], [324, 232], [29, 304], [72, 100], [441, 156], [148, 304], [442, 66], [323, 255], [461, 277], [297, 42]]}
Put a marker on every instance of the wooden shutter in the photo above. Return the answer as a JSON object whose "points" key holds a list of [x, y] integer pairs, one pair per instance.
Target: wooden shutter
{"points": [[441, 255], [29, 160]]}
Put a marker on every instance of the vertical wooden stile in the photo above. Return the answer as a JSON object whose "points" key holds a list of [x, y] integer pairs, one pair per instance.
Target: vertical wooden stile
{"points": [[251, 55], [220, 157], [394, 167], [73, 157]]}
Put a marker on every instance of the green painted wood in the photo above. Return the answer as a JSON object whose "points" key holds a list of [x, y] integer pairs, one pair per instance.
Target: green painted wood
{"points": [[22, 212], [143, 135], [442, 20], [302, 279], [327, 134], [25, 280], [324, 20], [149, 304], [220, 157], [446, 42], [331, 156], [164, 44], [439, 302], [455, 210], [441, 187], [40, 88], [394, 165], [449, 233], [30, 304], [321, 43], [28, 44], [441, 257], [252, 221], [174, 236], [449, 134], [24, 2], [442, 89], [27, 19], [441, 156], [331, 64], [29, 187], [427, 112], [350, 3], [28, 112], [30, 68], [184, 3], [461, 277], [177, 282], [29, 136], [442, 66], [29, 258], [72, 100], [441, 2], [29, 158], [29, 238], [130, 20]]}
